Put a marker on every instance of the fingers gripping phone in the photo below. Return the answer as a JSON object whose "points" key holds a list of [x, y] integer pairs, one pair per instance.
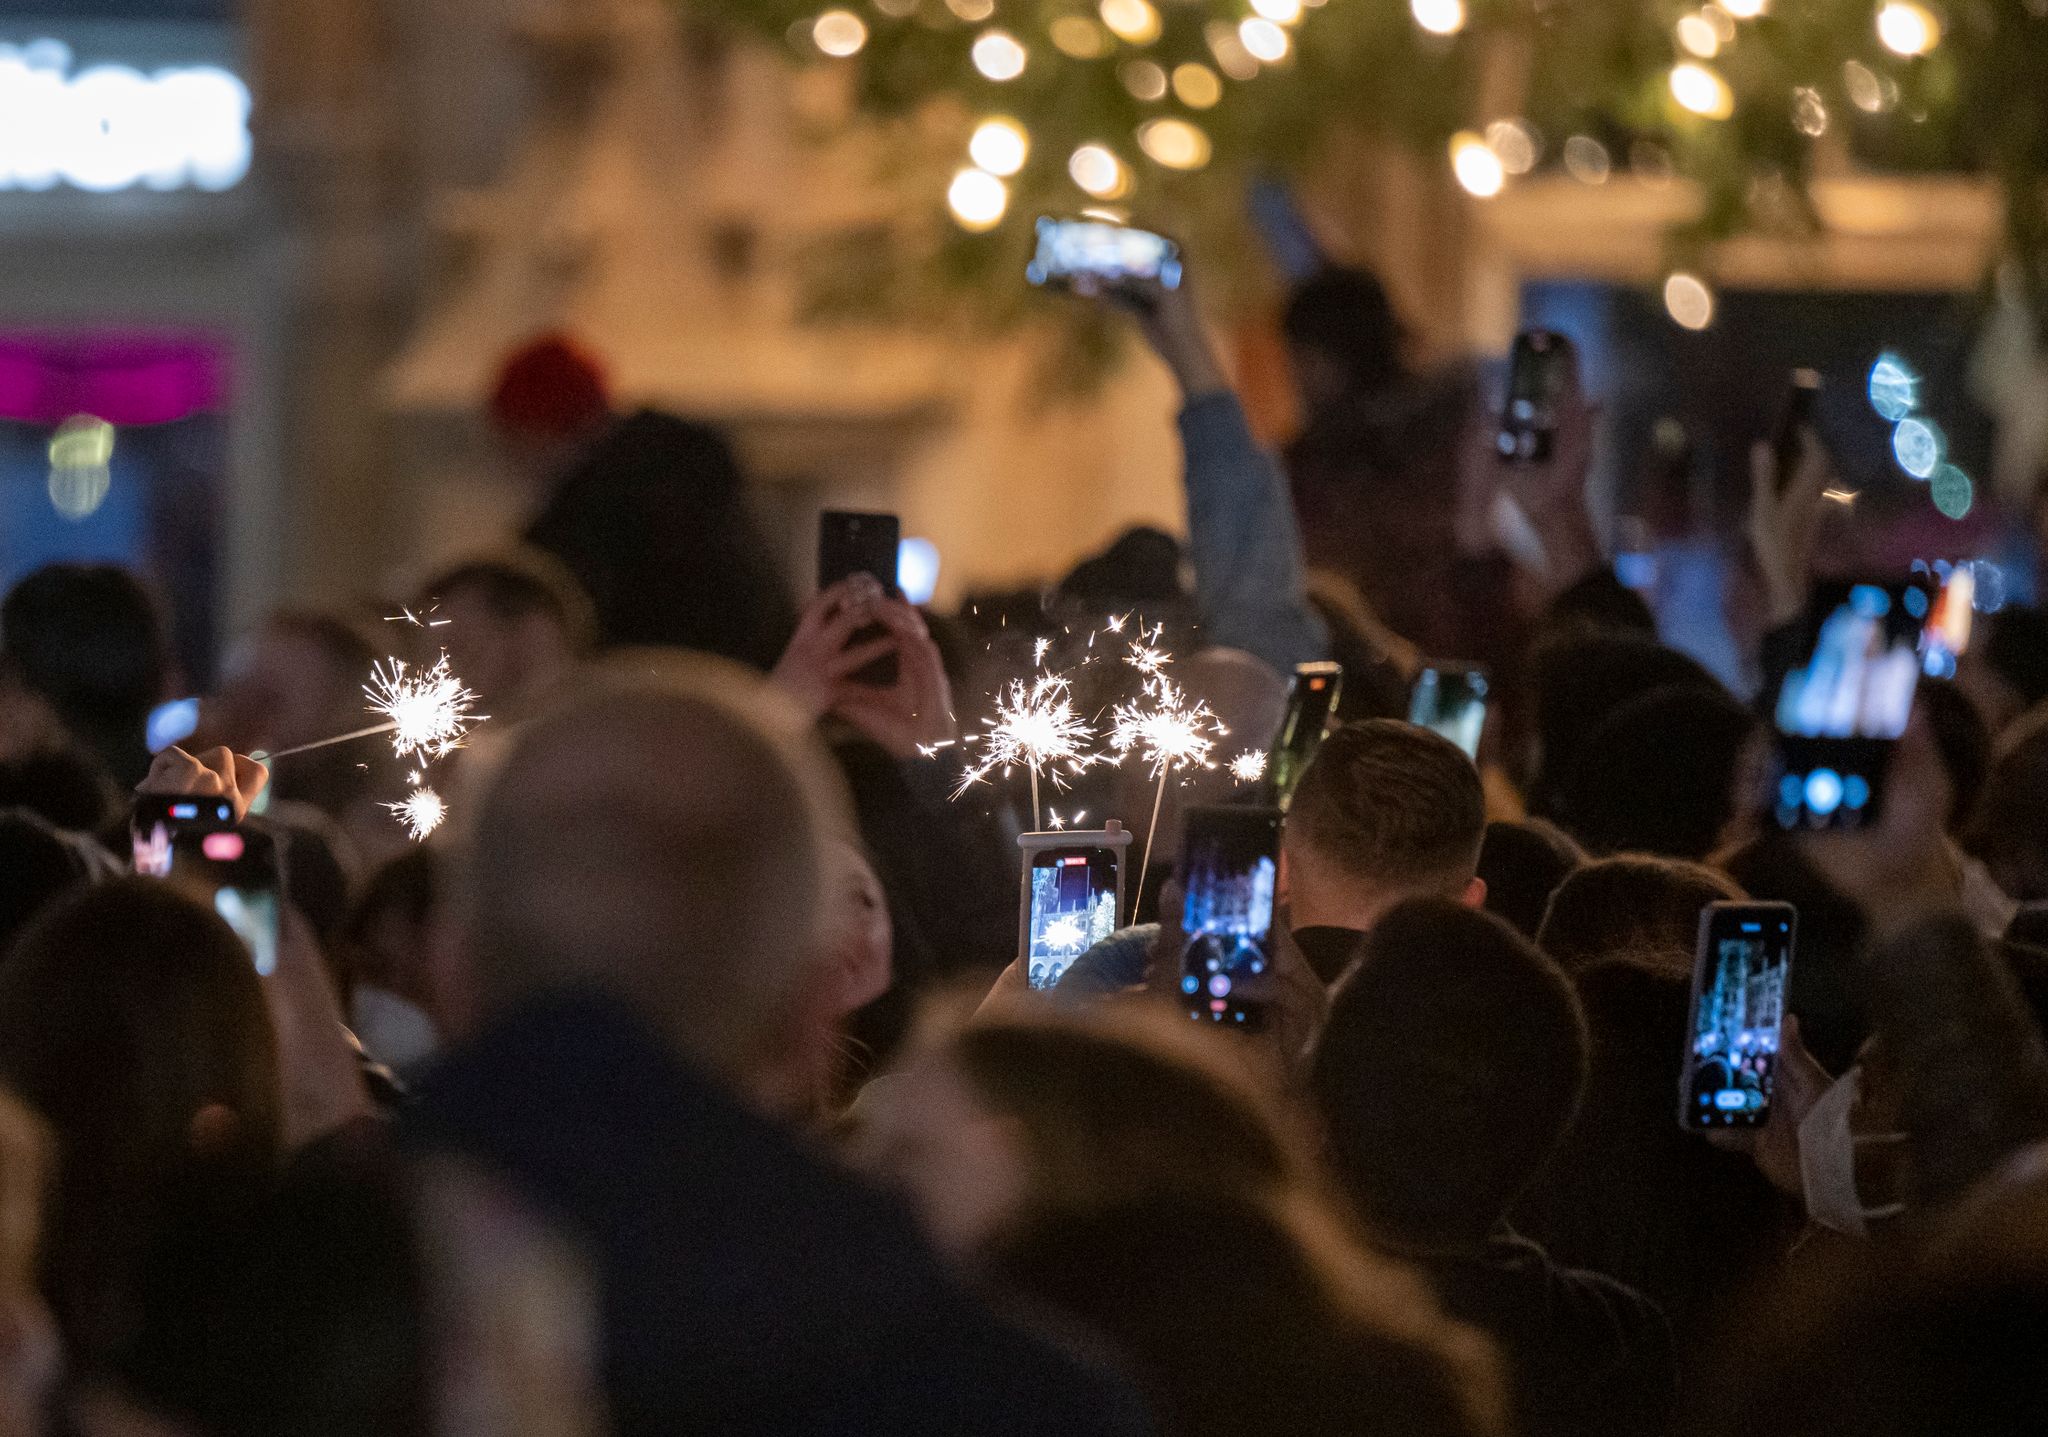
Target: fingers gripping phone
{"points": [[1069, 250], [850, 544], [1230, 875], [160, 818], [1541, 369], [1738, 1005], [1312, 699], [1073, 894], [1450, 699], [236, 871]]}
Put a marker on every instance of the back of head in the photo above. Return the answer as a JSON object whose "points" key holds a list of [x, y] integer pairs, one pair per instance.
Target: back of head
{"points": [[1141, 570], [1658, 775], [517, 581], [1580, 679], [1344, 314], [2016, 650], [1523, 864], [1447, 1070], [1237, 1315], [1630, 906], [2007, 833], [661, 835], [1388, 809], [1963, 739], [37, 866], [65, 785], [1599, 604], [1823, 989], [550, 388], [87, 639]]}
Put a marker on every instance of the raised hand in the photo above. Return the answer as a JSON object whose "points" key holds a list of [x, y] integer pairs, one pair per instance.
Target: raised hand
{"points": [[818, 660], [912, 714], [216, 773]]}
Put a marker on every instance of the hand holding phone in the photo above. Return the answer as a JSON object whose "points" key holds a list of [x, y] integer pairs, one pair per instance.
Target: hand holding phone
{"points": [[1313, 696], [1096, 256], [1229, 875], [1742, 967], [850, 544], [1450, 700], [1073, 897], [1542, 376], [235, 872]]}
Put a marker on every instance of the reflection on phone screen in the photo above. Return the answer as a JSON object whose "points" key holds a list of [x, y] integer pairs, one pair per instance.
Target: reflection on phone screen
{"points": [[1073, 907], [1451, 702], [1230, 874], [1736, 1016]]}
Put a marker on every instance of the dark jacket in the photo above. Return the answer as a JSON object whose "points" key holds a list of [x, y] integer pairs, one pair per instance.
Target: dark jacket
{"points": [[748, 1285]]}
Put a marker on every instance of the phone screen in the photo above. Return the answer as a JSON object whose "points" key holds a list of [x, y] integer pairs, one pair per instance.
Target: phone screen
{"points": [[1538, 369], [1451, 701], [236, 871], [1312, 699], [1229, 872], [1104, 251], [158, 819], [1074, 902], [1840, 712], [850, 544], [1738, 1004], [1794, 419]]}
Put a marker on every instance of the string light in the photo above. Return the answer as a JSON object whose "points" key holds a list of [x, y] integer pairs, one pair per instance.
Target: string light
{"points": [[1476, 166], [1894, 388], [1809, 112], [999, 145], [1439, 17], [1098, 171], [1175, 144], [1134, 22], [1702, 91], [1516, 144], [1078, 38], [1919, 445], [1196, 86], [977, 199], [1280, 12], [1586, 160], [998, 55], [1905, 28], [1688, 301], [1264, 40], [1231, 56], [839, 33], [1696, 35], [1744, 9], [1145, 80]]}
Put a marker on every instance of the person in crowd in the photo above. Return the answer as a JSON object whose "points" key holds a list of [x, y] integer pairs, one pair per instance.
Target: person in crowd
{"points": [[1522, 864], [1576, 683], [653, 978], [1964, 740], [1448, 1069], [2005, 672], [1631, 906], [85, 645], [62, 783], [1659, 775], [40, 863], [514, 623], [2007, 833], [386, 957]]}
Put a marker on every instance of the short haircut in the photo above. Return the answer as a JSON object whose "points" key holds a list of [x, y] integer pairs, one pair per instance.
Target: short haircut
{"points": [[1391, 803], [662, 834], [518, 580], [1448, 1069], [1523, 863], [1345, 313], [1631, 906]]}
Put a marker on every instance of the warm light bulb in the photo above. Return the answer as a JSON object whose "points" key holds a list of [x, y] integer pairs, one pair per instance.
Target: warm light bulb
{"points": [[999, 146], [1145, 80], [977, 199], [1696, 35], [1477, 167], [1280, 12], [1265, 40], [1196, 86], [998, 55], [1744, 9], [1231, 56], [1515, 143], [1078, 38], [1688, 301], [1906, 28], [1175, 144], [1098, 171], [1439, 17], [1702, 91], [1133, 21], [839, 33]]}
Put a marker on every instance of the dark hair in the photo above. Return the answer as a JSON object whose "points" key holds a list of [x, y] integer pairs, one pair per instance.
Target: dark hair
{"points": [[517, 581], [89, 641], [65, 785], [1235, 1316], [1963, 740], [1658, 775], [1629, 1193], [1599, 603], [39, 864], [1578, 680], [340, 640], [1345, 313], [1141, 568], [1522, 865], [1448, 1067], [2015, 648], [2009, 833], [1822, 989], [405, 886], [1630, 905], [124, 1012], [1388, 801]]}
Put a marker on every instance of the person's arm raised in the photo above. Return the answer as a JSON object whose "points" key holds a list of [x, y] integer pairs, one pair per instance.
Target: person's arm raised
{"points": [[216, 773]]}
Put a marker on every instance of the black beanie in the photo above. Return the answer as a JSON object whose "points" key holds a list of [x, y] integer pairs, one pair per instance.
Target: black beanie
{"points": [[1447, 1071]]}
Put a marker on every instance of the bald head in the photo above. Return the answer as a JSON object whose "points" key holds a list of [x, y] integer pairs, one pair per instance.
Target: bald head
{"points": [[663, 836]]}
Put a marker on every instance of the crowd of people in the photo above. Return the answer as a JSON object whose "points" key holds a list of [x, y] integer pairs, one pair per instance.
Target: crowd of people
{"points": [[688, 1080]]}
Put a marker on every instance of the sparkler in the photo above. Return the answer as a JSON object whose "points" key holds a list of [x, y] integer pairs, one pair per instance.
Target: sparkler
{"points": [[421, 811], [1170, 734], [1064, 935], [429, 710], [1249, 766], [1035, 728]]}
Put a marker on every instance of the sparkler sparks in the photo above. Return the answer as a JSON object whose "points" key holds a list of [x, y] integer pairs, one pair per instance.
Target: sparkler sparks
{"points": [[1036, 728], [421, 811], [407, 616], [1249, 766], [429, 710], [1056, 823], [1168, 731], [1064, 935], [1039, 650]]}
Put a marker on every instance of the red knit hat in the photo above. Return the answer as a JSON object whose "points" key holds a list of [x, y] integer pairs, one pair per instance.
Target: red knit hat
{"points": [[550, 388]]}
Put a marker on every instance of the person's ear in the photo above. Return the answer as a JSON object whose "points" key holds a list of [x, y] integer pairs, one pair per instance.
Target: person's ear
{"points": [[213, 1128], [1474, 895]]}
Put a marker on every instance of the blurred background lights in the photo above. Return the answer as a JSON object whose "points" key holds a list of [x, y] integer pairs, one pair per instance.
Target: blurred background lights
{"points": [[1688, 301], [1098, 171], [112, 127], [839, 33], [1722, 23], [917, 570], [1265, 40], [1952, 491], [998, 55], [1132, 21], [1439, 17], [1078, 38], [1475, 164], [1280, 12], [972, 11], [1906, 28], [1196, 86], [1586, 160], [1809, 112], [1918, 446], [1894, 388], [1175, 144], [1696, 35], [1866, 91], [1145, 80], [977, 199], [1515, 144], [999, 145], [80, 452], [1231, 56], [1744, 9], [1702, 91]]}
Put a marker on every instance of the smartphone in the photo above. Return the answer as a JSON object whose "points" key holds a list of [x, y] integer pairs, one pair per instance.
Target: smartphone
{"points": [[1795, 417], [1540, 371], [850, 544], [1840, 713], [1738, 1003], [1096, 249], [235, 870], [1073, 897], [1450, 699], [1229, 873], [1312, 698], [159, 818]]}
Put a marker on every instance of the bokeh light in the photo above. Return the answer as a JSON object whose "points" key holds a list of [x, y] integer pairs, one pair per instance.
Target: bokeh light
{"points": [[999, 56], [1264, 40], [1696, 35], [1439, 17], [1096, 169], [81, 453], [1894, 387], [1952, 492], [1516, 143], [1145, 80], [1866, 92], [1196, 86], [1477, 167], [839, 33], [1919, 446], [1132, 21], [999, 145], [1174, 143], [1908, 29], [1587, 160], [1702, 91], [1809, 111], [1078, 38], [1280, 12], [977, 199], [1744, 9], [1688, 301]]}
